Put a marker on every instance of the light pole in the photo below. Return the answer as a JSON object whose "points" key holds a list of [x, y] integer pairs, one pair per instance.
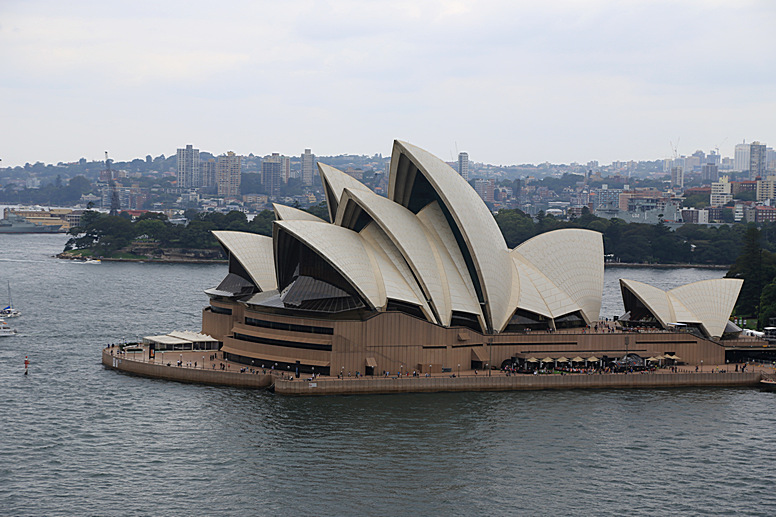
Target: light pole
{"points": [[203, 362], [459, 369]]}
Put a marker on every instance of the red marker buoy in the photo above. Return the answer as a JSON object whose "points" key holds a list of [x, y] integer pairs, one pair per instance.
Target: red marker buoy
{"points": [[26, 364]]}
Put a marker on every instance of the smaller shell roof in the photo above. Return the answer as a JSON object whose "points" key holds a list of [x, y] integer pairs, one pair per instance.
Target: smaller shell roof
{"points": [[255, 253], [708, 302]]}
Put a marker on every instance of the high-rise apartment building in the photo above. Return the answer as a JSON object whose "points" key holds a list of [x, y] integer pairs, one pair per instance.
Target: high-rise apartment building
{"points": [[271, 174], [308, 164], [228, 174], [757, 164], [207, 171], [709, 172], [677, 177], [188, 168], [463, 165], [285, 168], [741, 157]]}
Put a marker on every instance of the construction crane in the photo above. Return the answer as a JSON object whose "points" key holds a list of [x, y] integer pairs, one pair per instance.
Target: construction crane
{"points": [[674, 148]]}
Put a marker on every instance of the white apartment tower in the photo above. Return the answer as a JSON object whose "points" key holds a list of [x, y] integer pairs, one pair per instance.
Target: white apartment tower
{"points": [[308, 164], [741, 157], [463, 165], [188, 168]]}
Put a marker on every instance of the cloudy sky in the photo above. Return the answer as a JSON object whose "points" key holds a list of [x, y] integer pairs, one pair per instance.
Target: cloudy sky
{"points": [[508, 81]]}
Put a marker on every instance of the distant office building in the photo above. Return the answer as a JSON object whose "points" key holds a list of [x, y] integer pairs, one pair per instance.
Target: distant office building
{"points": [[713, 157], [709, 172], [308, 164], [677, 177], [228, 174], [741, 158], [463, 165], [188, 168], [757, 163], [271, 174]]}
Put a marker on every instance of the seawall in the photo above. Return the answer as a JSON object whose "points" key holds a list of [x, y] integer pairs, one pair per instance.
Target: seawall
{"points": [[513, 383], [379, 385], [180, 374]]}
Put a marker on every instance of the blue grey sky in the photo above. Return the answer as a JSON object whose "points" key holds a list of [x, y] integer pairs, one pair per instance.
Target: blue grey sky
{"points": [[507, 81]]}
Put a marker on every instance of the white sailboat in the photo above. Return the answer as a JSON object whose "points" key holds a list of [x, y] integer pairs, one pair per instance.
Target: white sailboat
{"points": [[9, 312]]}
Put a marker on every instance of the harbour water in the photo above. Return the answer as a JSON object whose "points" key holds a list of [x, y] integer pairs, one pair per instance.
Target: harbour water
{"points": [[76, 439]]}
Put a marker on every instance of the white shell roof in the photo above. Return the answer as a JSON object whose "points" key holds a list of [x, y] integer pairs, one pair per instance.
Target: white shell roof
{"points": [[289, 213], [462, 294], [708, 302], [410, 237], [479, 230], [572, 260], [397, 278], [711, 301], [334, 182], [344, 250], [255, 253]]}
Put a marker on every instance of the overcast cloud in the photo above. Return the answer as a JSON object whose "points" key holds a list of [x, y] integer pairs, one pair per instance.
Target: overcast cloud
{"points": [[507, 81]]}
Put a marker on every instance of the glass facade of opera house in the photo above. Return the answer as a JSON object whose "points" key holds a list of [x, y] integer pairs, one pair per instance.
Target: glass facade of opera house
{"points": [[422, 280]]}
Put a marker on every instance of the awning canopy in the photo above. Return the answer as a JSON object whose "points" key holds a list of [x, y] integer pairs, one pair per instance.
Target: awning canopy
{"points": [[371, 363], [478, 354]]}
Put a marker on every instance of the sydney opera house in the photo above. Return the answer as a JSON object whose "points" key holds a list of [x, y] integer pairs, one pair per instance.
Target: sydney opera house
{"points": [[422, 280]]}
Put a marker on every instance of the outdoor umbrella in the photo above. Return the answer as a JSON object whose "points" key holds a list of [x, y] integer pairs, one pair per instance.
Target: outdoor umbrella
{"points": [[562, 360], [577, 359]]}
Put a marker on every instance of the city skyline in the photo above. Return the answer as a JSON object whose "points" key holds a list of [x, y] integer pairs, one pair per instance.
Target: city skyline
{"points": [[509, 83]]}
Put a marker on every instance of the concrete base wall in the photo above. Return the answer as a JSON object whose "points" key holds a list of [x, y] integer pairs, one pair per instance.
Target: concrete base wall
{"points": [[193, 375], [517, 382]]}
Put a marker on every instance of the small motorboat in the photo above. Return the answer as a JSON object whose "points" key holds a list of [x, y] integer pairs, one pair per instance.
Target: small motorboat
{"points": [[768, 384], [5, 330]]}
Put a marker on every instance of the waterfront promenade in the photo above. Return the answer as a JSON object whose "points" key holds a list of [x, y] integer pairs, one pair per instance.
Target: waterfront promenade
{"points": [[187, 366]]}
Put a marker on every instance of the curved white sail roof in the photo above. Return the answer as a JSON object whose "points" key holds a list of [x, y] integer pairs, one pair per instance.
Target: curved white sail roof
{"points": [[289, 213], [708, 302], [711, 301], [572, 260], [480, 238], [397, 280], [334, 182], [344, 250], [409, 236], [255, 253]]}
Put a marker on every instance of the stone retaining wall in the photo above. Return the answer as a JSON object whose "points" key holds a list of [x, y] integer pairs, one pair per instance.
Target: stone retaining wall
{"points": [[194, 375], [517, 382]]}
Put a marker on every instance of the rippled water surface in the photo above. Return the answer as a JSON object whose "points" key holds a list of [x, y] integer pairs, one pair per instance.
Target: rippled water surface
{"points": [[76, 439]]}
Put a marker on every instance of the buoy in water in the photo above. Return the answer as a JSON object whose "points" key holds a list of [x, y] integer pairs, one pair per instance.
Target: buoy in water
{"points": [[26, 364]]}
